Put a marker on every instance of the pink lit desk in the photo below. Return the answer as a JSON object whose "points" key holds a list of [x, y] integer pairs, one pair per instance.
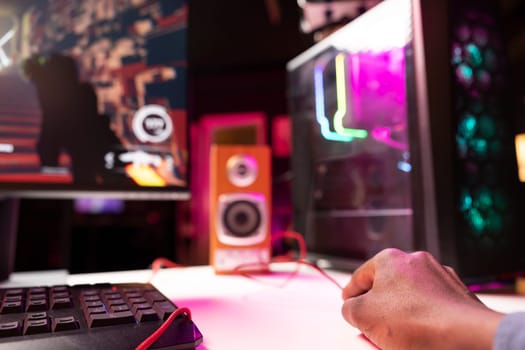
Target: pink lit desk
{"points": [[239, 313]]}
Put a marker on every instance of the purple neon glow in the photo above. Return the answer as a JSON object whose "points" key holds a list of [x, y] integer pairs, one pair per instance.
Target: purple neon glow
{"points": [[487, 286], [99, 205], [379, 96], [385, 135]]}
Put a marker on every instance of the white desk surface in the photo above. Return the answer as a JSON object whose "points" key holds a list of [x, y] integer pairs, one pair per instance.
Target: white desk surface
{"points": [[238, 313]]}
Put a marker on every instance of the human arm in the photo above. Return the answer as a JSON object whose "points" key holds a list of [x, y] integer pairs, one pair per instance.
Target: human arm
{"points": [[410, 301]]}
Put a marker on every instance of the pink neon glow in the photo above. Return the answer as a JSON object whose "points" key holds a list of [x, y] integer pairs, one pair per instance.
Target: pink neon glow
{"points": [[385, 135], [378, 94]]}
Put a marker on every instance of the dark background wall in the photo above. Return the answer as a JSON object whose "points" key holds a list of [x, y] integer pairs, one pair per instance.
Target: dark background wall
{"points": [[237, 55]]}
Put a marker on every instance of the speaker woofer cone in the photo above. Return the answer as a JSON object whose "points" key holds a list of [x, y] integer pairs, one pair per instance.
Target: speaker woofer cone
{"points": [[242, 218]]}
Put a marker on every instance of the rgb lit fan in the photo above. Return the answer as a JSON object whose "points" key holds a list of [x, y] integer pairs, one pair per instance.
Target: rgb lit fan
{"points": [[477, 56]]}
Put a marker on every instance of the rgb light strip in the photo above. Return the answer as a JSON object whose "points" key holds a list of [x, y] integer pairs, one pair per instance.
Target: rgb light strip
{"points": [[341, 133]]}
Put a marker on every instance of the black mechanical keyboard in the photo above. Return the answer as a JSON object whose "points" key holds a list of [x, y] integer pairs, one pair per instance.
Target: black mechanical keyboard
{"points": [[98, 316]]}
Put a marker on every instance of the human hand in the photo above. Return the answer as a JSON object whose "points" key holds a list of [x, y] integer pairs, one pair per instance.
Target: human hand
{"points": [[410, 301]]}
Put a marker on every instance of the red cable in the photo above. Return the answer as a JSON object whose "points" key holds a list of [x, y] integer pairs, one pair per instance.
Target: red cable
{"points": [[286, 259], [321, 271], [156, 265], [297, 236], [164, 262], [159, 263], [156, 335]]}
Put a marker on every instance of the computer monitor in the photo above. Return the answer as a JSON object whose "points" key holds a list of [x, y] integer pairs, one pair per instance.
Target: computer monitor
{"points": [[93, 100], [402, 138]]}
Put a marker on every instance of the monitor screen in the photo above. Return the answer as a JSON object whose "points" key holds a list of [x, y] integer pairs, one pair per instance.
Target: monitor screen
{"points": [[93, 99]]}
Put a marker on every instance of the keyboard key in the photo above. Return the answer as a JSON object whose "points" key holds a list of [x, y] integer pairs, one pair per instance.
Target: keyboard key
{"points": [[108, 298], [61, 303], [60, 295], [119, 308], [36, 305], [9, 329], [95, 310], [88, 299], [89, 293], [36, 297], [60, 289], [36, 326], [133, 301], [116, 302], [152, 297], [137, 307], [110, 292], [11, 307], [146, 315], [11, 292], [65, 324], [36, 316], [164, 309], [109, 319], [92, 304], [13, 298], [38, 290], [133, 294]]}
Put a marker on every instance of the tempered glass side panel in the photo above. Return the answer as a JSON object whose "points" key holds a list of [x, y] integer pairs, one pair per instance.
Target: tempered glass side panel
{"points": [[351, 158]]}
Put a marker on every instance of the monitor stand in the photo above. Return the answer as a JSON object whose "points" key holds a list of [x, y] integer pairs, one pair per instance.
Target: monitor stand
{"points": [[8, 228]]}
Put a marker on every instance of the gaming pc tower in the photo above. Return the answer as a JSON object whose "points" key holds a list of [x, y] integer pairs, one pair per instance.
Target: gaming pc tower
{"points": [[402, 138]]}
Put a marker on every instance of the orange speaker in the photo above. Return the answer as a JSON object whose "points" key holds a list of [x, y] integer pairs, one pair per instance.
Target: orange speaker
{"points": [[240, 202]]}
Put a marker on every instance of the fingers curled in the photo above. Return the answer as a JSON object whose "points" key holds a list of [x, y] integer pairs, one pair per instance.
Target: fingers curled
{"points": [[353, 310]]}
